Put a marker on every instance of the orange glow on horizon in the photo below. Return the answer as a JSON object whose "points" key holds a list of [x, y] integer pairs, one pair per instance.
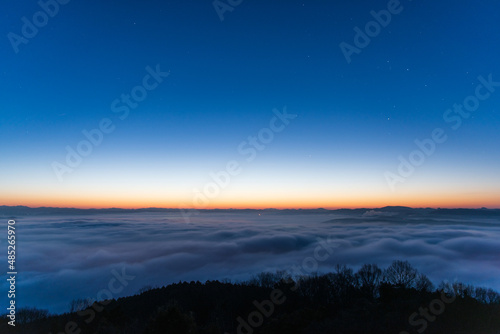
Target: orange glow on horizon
{"points": [[295, 203]]}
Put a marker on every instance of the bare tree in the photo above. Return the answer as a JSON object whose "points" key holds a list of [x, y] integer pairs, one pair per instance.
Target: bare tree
{"points": [[481, 294], [423, 283], [493, 296], [80, 304], [401, 274], [267, 279], [368, 278], [343, 282], [463, 290], [30, 314]]}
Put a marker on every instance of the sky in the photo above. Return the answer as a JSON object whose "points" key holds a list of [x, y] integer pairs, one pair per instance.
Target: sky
{"points": [[260, 104]]}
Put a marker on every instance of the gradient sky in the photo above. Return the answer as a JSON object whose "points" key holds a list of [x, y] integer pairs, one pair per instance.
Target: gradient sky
{"points": [[353, 119]]}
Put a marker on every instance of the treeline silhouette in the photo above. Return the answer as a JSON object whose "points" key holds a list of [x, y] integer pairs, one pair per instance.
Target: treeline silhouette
{"points": [[398, 299]]}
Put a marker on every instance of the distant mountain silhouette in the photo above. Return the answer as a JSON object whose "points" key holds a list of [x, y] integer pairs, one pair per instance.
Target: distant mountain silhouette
{"points": [[27, 211]]}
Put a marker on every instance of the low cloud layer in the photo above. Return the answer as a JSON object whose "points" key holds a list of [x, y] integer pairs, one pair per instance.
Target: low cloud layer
{"points": [[61, 258]]}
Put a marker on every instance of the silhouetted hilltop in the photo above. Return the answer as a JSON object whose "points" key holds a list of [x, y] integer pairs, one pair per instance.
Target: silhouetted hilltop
{"points": [[398, 299]]}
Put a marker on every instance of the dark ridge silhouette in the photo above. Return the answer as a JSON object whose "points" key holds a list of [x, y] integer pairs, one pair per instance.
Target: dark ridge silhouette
{"points": [[397, 210], [398, 299]]}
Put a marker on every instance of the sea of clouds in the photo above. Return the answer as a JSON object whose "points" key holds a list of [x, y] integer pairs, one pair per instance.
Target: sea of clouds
{"points": [[61, 258]]}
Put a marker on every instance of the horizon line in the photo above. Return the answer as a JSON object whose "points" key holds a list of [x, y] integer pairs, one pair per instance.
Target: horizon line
{"points": [[254, 209]]}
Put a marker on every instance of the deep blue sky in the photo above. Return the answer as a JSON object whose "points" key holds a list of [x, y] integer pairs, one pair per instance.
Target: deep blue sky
{"points": [[226, 77]]}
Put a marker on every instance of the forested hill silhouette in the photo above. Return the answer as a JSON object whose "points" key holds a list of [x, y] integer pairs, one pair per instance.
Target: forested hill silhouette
{"points": [[397, 299]]}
